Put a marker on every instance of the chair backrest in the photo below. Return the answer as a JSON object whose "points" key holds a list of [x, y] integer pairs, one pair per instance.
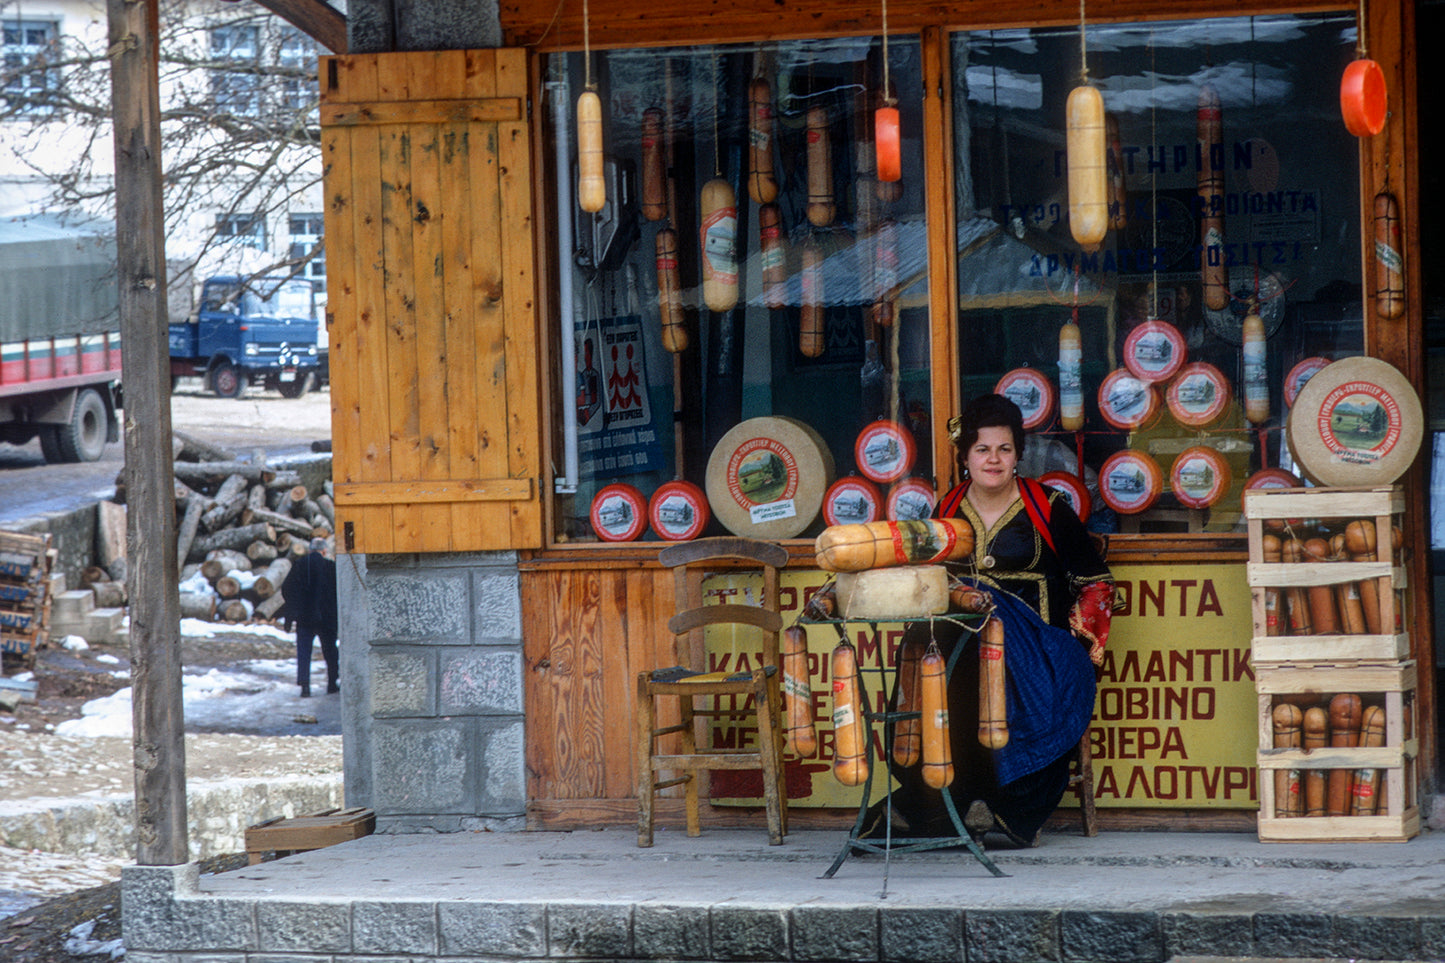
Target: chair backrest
{"points": [[690, 561]]}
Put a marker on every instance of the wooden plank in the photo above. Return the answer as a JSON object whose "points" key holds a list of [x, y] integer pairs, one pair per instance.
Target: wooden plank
{"points": [[537, 592], [615, 621], [1279, 503], [1381, 757], [938, 180], [1342, 677], [1298, 574], [1340, 829], [450, 491], [1293, 648], [158, 738], [524, 424], [423, 111], [429, 206]]}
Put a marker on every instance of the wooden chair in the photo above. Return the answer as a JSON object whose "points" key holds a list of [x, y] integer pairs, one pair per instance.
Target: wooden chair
{"points": [[696, 689]]}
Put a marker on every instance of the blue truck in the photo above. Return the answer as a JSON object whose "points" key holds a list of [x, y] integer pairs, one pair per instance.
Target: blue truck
{"points": [[250, 331]]}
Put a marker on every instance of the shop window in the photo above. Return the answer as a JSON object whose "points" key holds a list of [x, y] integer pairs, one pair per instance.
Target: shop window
{"points": [[836, 339], [26, 47], [248, 230], [296, 56], [306, 231], [236, 83], [1284, 196]]}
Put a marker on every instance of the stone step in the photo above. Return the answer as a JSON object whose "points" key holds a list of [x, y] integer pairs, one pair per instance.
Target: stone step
{"points": [[71, 606], [104, 626]]}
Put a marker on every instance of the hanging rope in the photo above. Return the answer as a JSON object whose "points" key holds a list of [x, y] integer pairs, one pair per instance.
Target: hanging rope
{"points": [[716, 108], [587, 47], [888, 99], [1083, 51], [1362, 49]]}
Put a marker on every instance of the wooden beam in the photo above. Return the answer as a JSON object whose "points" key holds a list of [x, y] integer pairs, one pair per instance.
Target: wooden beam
{"points": [[316, 18], [155, 613]]}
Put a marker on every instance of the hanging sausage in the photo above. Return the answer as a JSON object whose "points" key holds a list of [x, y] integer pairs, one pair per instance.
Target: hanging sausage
{"points": [[654, 168], [821, 205], [762, 185], [1088, 172], [591, 189], [1213, 274], [719, 245]]}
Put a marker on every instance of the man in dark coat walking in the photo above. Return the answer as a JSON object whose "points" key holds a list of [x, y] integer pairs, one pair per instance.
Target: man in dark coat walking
{"points": [[310, 593]]}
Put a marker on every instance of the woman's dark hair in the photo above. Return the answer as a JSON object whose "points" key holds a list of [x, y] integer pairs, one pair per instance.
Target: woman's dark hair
{"points": [[986, 411]]}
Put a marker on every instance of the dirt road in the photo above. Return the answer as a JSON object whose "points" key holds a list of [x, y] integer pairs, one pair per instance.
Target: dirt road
{"points": [[259, 419]]}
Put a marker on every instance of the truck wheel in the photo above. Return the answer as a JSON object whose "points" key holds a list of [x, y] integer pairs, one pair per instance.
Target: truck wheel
{"points": [[84, 438], [50, 445], [227, 381], [297, 388]]}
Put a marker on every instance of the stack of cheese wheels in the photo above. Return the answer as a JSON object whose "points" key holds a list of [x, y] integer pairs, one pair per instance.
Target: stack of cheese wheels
{"points": [[884, 451], [912, 498], [1357, 422], [913, 591], [1130, 482], [1199, 477], [767, 476], [854, 548]]}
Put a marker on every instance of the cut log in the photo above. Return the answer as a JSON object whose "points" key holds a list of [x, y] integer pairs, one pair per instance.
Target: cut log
{"points": [[269, 608], [260, 553], [295, 496], [237, 538], [109, 595], [92, 574], [188, 570], [231, 558], [236, 610], [194, 449], [328, 507], [282, 523], [227, 587], [215, 471], [186, 531], [283, 542], [255, 498], [198, 605], [284, 480], [320, 527], [299, 548], [268, 583], [233, 485]]}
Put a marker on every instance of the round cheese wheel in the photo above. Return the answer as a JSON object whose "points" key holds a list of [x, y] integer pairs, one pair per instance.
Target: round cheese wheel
{"points": [[884, 451], [1364, 102], [1300, 374], [1032, 392], [1130, 482], [1357, 422], [1199, 476], [1268, 478], [910, 500], [678, 511], [1154, 351], [766, 477], [1126, 401], [619, 513], [1199, 395], [851, 501], [1074, 490]]}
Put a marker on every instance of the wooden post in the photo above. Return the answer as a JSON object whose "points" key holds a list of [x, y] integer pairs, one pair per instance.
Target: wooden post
{"points": [[160, 751]]}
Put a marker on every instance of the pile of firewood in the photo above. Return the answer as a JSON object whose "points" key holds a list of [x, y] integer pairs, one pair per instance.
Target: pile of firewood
{"points": [[239, 525]]}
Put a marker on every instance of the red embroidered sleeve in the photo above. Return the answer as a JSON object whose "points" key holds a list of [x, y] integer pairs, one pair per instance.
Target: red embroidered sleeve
{"points": [[1092, 613]]}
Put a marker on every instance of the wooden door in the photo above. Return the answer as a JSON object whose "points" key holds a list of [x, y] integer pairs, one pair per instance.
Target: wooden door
{"points": [[431, 293]]}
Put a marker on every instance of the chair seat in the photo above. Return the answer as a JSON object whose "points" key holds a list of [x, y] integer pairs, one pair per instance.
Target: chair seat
{"points": [[678, 673]]}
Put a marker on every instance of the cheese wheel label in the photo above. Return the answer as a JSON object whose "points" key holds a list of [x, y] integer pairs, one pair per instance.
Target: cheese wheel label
{"points": [[1032, 392], [1129, 482], [884, 451], [1199, 395], [1359, 423], [1154, 351], [1125, 400], [619, 513], [1300, 374], [762, 471], [911, 500], [719, 249], [851, 501], [773, 511], [678, 511], [1199, 476], [1073, 489]]}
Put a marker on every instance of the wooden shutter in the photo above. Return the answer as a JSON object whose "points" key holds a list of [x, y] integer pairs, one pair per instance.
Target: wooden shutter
{"points": [[431, 290]]}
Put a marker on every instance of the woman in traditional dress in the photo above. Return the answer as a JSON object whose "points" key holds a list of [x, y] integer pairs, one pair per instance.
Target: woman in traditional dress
{"points": [[1054, 595]]}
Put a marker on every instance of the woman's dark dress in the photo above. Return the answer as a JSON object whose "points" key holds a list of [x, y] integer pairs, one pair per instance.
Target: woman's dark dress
{"points": [[1050, 689]]}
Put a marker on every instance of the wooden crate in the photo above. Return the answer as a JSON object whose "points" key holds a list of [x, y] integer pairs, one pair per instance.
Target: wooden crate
{"points": [[1299, 509], [1387, 684], [25, 565], [304, 833]]}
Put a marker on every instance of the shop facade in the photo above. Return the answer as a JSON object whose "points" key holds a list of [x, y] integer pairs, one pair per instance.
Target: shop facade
{"points": [[506, 359]]}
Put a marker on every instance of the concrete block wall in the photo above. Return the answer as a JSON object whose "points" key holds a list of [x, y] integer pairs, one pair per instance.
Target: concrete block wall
{"points": [[431, 670]]}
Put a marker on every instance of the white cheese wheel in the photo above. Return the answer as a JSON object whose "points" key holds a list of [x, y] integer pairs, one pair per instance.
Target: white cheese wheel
{"points": [[907, 592], [1357, 422], [767, 476]]}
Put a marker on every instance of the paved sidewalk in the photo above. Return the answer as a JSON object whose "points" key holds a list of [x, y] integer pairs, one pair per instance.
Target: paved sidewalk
{"points": [[729, 896]]}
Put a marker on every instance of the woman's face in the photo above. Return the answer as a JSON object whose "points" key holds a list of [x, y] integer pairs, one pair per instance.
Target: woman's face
{"points": [[992, 458]]}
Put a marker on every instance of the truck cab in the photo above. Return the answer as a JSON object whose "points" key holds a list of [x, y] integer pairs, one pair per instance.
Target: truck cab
{"points": [[259, 330]]}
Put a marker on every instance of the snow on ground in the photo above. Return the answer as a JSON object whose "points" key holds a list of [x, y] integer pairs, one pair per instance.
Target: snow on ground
{"points": [[201, 629], [268, 685]]}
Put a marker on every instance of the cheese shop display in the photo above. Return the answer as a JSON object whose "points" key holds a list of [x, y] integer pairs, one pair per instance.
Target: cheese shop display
{"points": [[1157, 268]]}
